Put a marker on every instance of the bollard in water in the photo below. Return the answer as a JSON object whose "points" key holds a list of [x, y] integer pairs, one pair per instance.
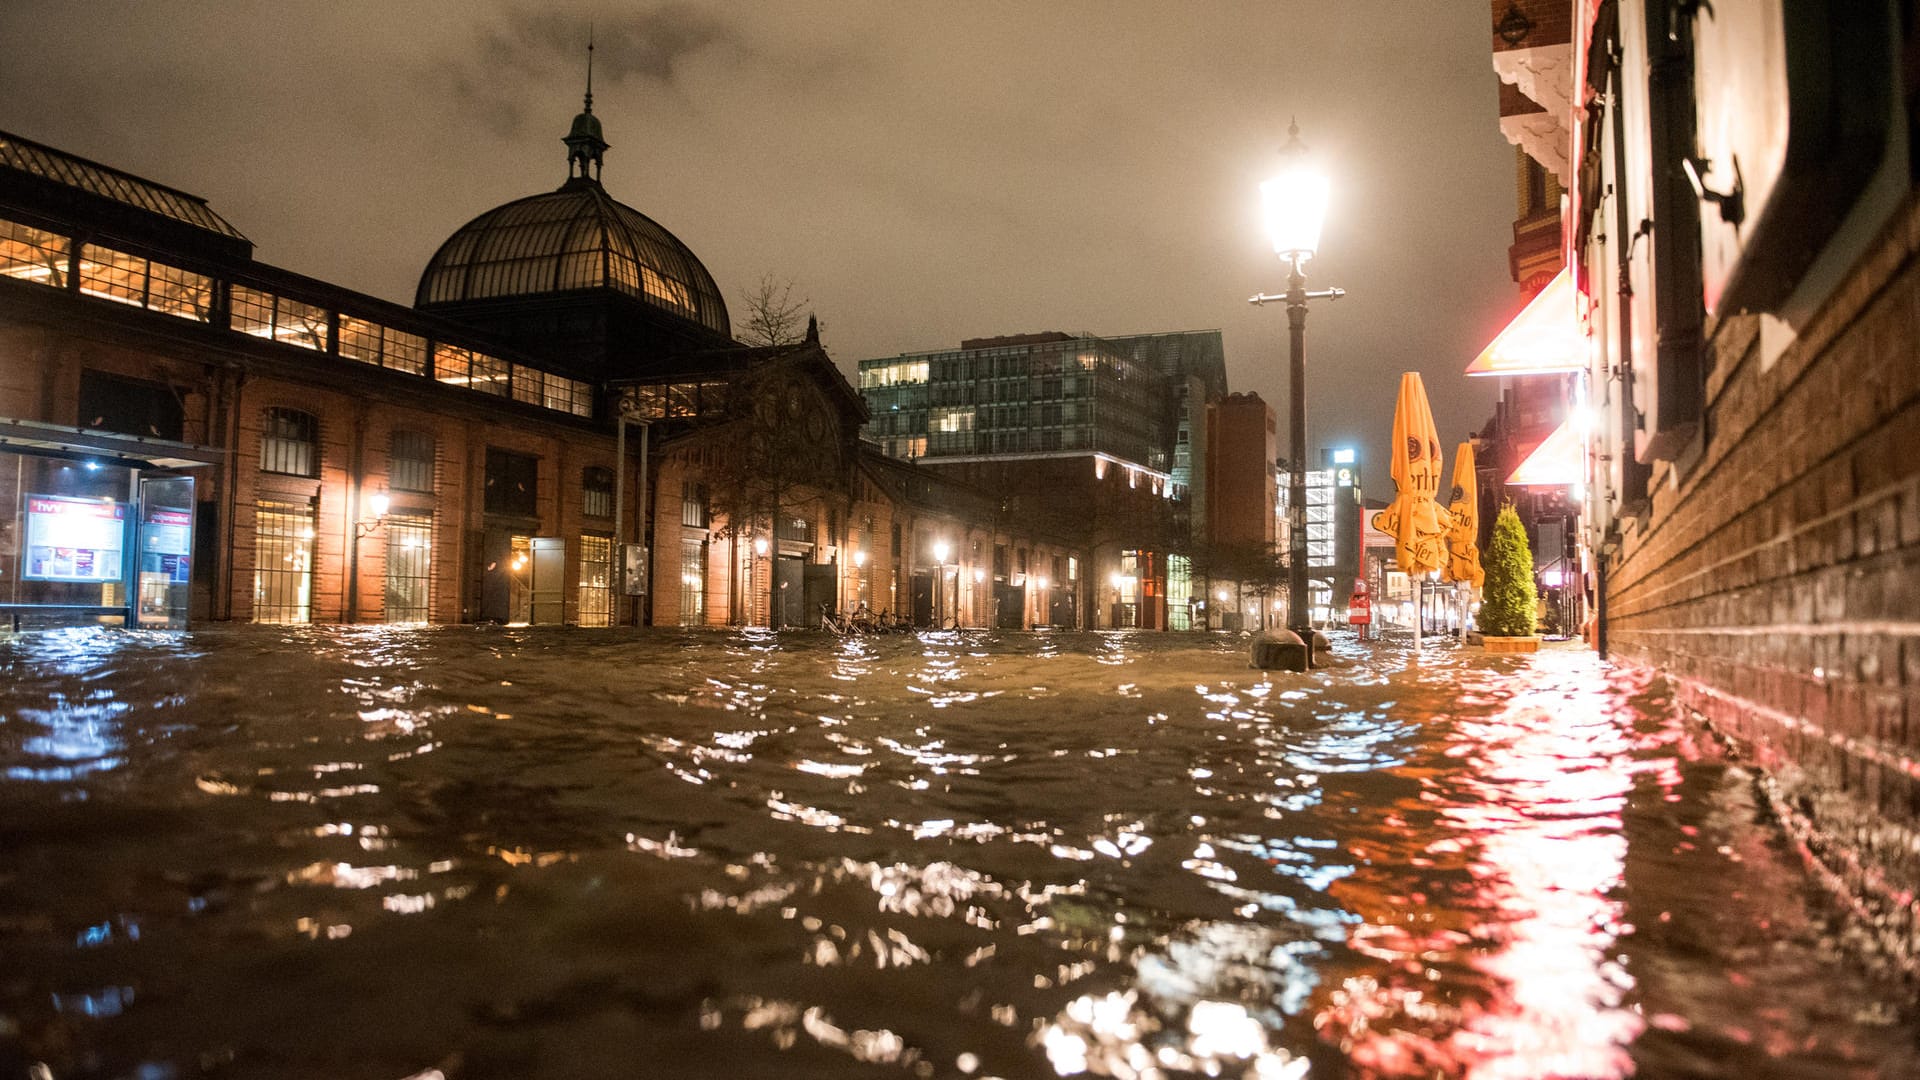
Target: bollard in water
{"points": [[1281, 650]]}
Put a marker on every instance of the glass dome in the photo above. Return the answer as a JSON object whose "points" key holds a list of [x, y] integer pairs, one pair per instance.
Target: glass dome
{"points": [[562, 241]]}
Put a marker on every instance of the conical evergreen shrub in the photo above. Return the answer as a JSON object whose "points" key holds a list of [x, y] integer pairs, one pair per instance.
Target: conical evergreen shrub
{"points": [[1508, 603]]}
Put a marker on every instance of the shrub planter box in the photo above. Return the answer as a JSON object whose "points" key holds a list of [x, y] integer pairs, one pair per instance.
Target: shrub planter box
{"points": [[1511, 644]]}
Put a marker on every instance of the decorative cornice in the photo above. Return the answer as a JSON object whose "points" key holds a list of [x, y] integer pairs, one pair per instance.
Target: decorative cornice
{"points": [[1545, 75]]}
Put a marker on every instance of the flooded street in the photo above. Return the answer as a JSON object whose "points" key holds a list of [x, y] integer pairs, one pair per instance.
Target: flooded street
{"points": [[361, 852]]}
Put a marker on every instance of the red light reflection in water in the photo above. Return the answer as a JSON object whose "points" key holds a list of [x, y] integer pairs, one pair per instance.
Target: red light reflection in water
{"points": [[1527, 851]]}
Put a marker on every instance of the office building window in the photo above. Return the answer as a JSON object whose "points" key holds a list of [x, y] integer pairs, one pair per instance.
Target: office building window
{"points": [[289, 443]]}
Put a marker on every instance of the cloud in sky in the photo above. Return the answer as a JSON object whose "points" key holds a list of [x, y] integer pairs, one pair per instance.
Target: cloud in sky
{"points": [[924, 172]]}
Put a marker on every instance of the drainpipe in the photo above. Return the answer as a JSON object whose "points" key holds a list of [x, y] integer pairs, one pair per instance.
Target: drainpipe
{"points": [[236, 382], [351, 517]]}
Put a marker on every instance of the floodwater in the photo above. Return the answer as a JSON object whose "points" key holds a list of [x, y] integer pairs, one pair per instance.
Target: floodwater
{"points": [[473, 852]]}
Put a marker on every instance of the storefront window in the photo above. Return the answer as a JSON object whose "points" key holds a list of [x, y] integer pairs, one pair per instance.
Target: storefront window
{"points": [[283, 562], [596, 580], [693, 579], [409, 568]]}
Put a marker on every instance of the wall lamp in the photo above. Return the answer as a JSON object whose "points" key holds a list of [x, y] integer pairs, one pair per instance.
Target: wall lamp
{"points": [[377, 504]]}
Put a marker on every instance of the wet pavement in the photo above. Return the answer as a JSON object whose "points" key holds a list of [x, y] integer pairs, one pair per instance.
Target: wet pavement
{"points": [[473, 852]]}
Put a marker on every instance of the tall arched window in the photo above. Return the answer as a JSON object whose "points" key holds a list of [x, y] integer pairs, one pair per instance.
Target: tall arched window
{"points": [[289, 443]]}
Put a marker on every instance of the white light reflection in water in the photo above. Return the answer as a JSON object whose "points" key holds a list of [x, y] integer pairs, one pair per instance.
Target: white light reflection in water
{"points": [[84, 736]]}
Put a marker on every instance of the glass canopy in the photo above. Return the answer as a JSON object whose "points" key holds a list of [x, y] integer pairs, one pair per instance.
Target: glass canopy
{"points": [[47, 163], [566, 240]]}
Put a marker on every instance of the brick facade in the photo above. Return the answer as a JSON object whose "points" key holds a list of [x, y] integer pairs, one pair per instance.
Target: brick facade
{"points": [[1779, 578]]}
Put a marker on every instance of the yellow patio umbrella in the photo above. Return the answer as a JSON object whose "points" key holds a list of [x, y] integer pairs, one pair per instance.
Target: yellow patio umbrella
{"points": [[1463, 546], [1416, 520]]}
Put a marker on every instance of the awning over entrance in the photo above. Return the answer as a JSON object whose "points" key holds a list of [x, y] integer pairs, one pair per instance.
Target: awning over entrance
{"points": [[29, 435], [1560, 461], [1543, 339]]}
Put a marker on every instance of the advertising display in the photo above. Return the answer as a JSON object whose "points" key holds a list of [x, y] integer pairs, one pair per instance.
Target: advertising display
{"points": [[70, 539], [166, 539]]}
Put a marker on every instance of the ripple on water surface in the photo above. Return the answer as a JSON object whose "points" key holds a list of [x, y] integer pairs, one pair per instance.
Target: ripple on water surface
{"points": [[382, 853]]}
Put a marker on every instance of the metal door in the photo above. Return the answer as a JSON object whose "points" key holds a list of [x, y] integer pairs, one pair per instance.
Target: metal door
{"points": [[546, 588]]}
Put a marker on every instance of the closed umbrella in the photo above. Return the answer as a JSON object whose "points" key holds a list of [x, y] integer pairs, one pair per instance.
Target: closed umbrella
{"points": [[1463, 545], [1415, 519]]}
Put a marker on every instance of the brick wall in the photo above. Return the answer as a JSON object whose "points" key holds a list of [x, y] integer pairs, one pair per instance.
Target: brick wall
{"points": [[1777, 580]]}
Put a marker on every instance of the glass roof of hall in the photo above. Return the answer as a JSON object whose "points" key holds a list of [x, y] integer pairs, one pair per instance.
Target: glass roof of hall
{"points": [[575, 238], [47, 163]]}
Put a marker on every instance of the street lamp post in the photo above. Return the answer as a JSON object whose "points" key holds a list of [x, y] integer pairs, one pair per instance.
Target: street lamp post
{"points": [[1295, 205]]}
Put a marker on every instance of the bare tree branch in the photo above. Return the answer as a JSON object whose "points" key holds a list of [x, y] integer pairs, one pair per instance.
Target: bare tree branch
{"points": [[772, 315]]}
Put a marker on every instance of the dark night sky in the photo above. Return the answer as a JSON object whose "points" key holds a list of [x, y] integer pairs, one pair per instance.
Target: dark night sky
{"points": [[924, 172]]}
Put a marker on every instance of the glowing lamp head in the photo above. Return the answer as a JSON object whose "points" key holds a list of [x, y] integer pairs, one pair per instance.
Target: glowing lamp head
{"points": [[979, 575], [859, 558], [759, 545], [1294, 202], [378, 504], [941, 551], [1117, 579]]}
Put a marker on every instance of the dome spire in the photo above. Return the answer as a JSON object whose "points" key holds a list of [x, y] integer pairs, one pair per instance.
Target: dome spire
{"points": [[585, 146]]}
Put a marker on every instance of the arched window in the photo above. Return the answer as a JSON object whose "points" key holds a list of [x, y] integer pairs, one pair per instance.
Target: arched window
{"points": [[289, 443], [596, 485], [410, 467]]}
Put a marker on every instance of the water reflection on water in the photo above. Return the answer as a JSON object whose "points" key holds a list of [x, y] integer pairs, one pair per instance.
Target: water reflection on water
{"points": [[381, 853]]}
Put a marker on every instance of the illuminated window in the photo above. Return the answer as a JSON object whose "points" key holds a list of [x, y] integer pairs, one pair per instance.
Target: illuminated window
{"points": [[411, 466], [596, 581], [288, 321], [409, 567], [404, 352], [283, 562], [288, 443], [693, 582], [360, 340], [180, 293], [456, 366], [113, 275], [30, 254]]}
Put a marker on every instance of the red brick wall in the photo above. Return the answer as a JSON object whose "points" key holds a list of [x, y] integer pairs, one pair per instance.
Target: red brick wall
{"points": [[1778, 579]]}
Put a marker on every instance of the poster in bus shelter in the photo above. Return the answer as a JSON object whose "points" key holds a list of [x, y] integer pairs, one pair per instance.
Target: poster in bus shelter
{"points": [[71, 539], [166, 537]]}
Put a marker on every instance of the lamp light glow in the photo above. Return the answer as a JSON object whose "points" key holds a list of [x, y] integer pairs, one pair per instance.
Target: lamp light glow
{"points": [[1294, 202], [760, 545], [378, 504], [860, 559], [940, 552]]}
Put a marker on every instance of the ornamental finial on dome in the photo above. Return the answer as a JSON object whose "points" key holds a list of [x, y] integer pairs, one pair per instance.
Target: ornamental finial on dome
{"points": [[584, 142]]}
